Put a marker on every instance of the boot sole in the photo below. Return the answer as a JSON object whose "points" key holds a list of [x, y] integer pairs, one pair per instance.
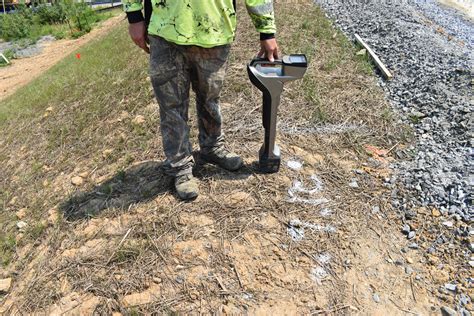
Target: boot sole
{"points": [[188, 197]]}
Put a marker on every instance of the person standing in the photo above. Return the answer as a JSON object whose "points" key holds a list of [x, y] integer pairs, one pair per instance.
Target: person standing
{"points": [[189, 43]]}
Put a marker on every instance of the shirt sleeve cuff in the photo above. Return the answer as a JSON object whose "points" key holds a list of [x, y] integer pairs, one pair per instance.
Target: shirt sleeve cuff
{"points": [[266, 36], [135, 17]]}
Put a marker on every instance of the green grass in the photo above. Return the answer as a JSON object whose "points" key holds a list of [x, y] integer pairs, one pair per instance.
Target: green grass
{"points": [[83, 93], [88, 81], [7, 247], [332, 87]]}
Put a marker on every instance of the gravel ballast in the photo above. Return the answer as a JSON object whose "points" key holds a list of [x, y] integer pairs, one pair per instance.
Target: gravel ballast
{"points": [[429, 48]]}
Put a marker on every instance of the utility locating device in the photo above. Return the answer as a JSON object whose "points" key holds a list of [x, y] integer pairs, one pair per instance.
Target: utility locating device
{"points": [[269, 77]]}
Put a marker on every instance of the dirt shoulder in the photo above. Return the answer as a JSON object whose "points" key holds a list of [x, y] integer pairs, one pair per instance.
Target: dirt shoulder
{"points": [[24, 70]]}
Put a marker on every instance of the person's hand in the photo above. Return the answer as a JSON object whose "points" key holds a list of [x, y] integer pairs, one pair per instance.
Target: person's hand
{"points": [[138, 34], [269, 49]]}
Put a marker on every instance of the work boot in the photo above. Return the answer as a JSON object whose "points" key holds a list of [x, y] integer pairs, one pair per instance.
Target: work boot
{"points": [[223, 158], [186, 186]]}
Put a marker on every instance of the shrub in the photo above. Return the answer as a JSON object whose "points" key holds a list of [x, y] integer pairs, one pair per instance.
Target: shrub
{"points": [[14, 26], [53, 14], [81, 15]]}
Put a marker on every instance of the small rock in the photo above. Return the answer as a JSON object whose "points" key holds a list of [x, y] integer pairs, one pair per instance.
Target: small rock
{"points": [[146, 297], [53, 216], [139, 120], [295, 165], [450, 287], [21, 214], [406, 229], [19, 237], [354, 184], [471, 263], [410, 214], [418, 114], [106, 153], [13, 200], [21, 225], [464, 312], [77, 181], [5, 285], [376, 298], [411, 235], [362, 52], [123, 116], [413, 245], [447, 311], [239, 197], [409, 270], [448, 224], [435, 212], [409, 260]]}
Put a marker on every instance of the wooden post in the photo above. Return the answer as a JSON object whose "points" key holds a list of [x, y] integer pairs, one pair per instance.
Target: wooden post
{"points": [[3, 56], [380, 65]]}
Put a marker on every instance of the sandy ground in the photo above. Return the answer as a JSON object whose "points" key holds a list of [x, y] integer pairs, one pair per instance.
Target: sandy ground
{"points": [[22, 71]]}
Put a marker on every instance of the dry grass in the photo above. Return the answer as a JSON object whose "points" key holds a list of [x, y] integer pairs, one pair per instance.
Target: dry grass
{"points": [[123, 230]]}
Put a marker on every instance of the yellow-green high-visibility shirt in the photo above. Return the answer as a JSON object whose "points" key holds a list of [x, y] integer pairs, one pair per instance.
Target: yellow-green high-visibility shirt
{"points": [[205, 23]]}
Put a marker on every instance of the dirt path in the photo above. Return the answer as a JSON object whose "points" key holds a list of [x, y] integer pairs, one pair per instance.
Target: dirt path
{"points": [[24, 70]]}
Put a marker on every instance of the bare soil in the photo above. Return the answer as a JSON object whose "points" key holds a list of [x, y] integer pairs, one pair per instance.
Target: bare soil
{"points": [[24, 70]]}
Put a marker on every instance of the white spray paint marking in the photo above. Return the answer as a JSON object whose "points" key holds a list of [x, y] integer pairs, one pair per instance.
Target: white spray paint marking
{"points": [[296, 229], [325, 212], [298, 188], [318, 274], [297, 199], [321, 228], [294, 164], [298, 193], [324, 258], [296, 233], [326, 129]]}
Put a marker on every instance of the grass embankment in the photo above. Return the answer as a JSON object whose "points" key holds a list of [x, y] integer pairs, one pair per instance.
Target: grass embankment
{"points": [[68, 107], [82, 118]]}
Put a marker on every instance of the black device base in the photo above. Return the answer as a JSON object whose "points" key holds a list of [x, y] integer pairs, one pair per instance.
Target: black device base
{"points": [[269, 165]]}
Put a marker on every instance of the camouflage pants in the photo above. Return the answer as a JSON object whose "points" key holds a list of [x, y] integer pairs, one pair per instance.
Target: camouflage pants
{"points": [[173, 70]]}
